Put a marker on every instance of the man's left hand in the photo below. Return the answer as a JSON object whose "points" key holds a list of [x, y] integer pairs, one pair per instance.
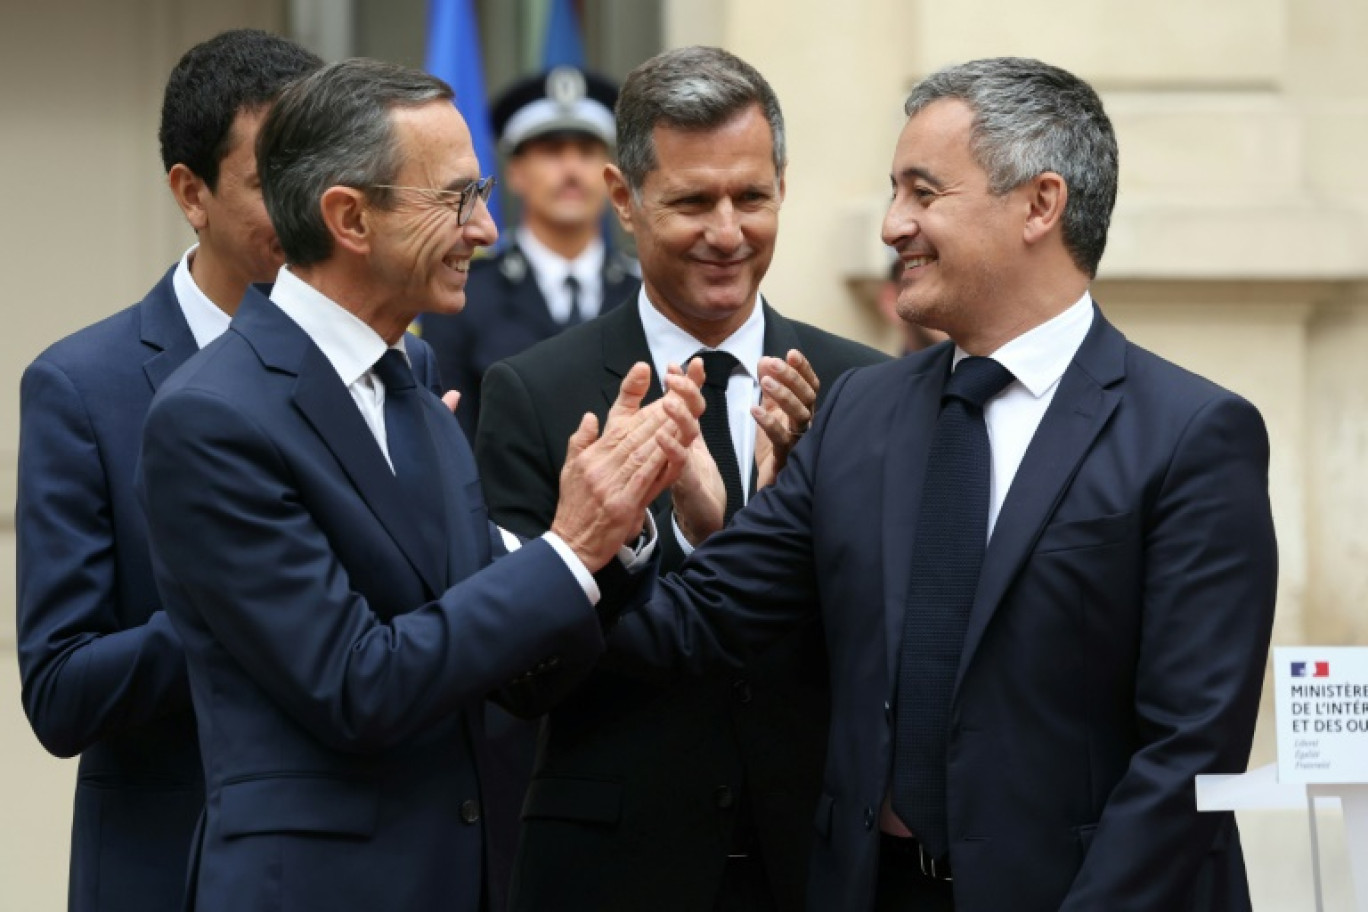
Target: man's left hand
{"points": [[788, 399]]}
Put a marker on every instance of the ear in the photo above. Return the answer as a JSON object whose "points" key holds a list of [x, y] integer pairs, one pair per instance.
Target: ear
{"points": [[347, 216], [189, 190], [1048, 194], [619, 195], [783, 184]]}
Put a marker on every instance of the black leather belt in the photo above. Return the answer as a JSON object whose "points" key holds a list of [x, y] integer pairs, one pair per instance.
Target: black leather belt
{"points": [[909, 850]]}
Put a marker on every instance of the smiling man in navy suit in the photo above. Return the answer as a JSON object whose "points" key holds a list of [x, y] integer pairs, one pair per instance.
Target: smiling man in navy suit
{"points": [[1042, 557], [319, 536], [103, 672]]}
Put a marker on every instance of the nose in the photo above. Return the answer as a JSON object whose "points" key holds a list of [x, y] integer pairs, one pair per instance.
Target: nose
{"points": [[480, 231], [724, 227], [898, 224]]}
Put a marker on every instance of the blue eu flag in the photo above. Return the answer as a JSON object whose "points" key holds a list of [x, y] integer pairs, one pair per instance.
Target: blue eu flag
{"points": [[563, 46], [453, 55]]}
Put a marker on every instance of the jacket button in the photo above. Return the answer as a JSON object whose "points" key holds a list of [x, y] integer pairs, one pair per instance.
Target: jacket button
{"points": [[741, 689], [470, 811], [888, 712], [723, 797], [869, 818]]}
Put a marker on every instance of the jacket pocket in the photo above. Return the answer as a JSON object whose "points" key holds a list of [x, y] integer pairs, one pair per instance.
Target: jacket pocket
{"points": [[582, 800], [1086, 533], [298, 804]]}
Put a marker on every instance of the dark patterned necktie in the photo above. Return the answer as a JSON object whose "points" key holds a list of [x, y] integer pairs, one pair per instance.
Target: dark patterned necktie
{"points": [[947, 553], [412, 453], [715, 428]]}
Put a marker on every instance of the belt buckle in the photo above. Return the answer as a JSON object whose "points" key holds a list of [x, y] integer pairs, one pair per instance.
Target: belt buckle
{"points": [[928, 865]]}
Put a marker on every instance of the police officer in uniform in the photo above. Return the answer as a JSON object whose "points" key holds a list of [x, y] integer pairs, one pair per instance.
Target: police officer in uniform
{"points": [[557, 131]]}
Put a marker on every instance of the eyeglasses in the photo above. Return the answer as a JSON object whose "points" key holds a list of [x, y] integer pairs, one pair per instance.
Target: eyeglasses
{"points": [[462, 201]]}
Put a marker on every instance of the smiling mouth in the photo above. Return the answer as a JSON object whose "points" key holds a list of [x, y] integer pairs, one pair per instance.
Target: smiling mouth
{"points": [[457, 263], [917, 262]]}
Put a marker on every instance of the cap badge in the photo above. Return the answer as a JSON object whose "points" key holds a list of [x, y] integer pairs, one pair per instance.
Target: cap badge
{"points": [[565, 86]]}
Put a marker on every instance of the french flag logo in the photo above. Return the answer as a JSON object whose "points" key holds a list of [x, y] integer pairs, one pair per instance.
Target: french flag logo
{"points": [[1310, 669]]}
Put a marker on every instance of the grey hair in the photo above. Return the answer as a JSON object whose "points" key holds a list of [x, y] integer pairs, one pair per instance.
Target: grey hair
{"points": [[333, 128], [691, 88], [1029, 118]]}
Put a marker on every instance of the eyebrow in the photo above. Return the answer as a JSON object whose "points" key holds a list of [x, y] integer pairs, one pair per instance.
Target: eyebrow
{"points": [[460, 183], [907, 174]]}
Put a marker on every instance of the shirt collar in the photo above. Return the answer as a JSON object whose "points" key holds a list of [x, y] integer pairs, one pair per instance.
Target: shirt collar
{"points": [[346, 341], [671, 345], [207, 320], [1038, 358], [556, 268]]}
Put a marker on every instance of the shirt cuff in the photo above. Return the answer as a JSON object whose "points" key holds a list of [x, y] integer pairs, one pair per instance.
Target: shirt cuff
{"points": [[581, 572], [679, 536], [634, 558]]}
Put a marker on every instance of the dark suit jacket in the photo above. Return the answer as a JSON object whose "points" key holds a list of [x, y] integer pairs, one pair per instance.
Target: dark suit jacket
{"points": [[103, 671], [1115, 647], [638, 788], [505, 313], [338, 677]]}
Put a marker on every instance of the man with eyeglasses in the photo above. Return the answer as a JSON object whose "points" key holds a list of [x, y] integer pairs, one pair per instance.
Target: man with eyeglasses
{"points": [[320, 539], [103, 670], [555, 130]]}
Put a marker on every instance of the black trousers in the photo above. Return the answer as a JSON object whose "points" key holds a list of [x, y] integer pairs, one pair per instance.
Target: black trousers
{"points": [[903, 887]]}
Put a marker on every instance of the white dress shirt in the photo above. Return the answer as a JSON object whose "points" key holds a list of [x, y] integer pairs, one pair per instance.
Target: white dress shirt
{"points": [[207, 321], [353, 348], [551, 270], [1037, 359], [671, 345]]}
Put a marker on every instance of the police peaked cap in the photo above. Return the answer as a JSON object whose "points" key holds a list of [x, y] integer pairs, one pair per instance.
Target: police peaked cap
{"points": [[564, 99]]}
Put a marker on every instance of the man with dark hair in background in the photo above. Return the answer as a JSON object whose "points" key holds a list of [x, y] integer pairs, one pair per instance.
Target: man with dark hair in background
{"points": [[103, 671], [319, 536], [697, 796], [556, 131]]}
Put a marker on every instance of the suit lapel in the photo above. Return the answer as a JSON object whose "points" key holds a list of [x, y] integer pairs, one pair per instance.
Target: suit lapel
{"points": [[1080, 410], [330, 410], [909, 441], [164, 331], [624, 344]]}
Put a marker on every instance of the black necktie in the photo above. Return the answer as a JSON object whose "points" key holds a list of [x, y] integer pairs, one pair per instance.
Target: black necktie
{"points": [[572, 287], [412, 453], [717, 371], [947, 553]]}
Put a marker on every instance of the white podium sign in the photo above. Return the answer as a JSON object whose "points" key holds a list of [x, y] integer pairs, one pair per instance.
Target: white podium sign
{"points": [[1322, 713]]}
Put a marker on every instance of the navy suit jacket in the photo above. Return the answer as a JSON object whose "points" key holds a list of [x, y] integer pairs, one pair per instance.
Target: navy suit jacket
{"points": [[505, 313], [337, 676], [103, 671], [1115, 647]]}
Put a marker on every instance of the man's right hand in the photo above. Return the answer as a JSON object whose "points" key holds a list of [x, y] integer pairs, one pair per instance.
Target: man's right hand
{"points": [[609, 481]]}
